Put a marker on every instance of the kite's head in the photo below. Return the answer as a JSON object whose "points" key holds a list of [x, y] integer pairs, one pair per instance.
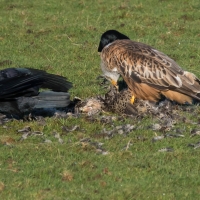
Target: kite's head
{"points": [[109, 37]]}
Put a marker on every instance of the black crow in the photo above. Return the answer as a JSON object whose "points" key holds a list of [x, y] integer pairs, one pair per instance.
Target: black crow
{"points": [[20, 90]]}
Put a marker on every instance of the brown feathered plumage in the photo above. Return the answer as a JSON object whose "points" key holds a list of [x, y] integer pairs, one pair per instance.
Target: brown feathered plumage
{"points": [[148, 72]]}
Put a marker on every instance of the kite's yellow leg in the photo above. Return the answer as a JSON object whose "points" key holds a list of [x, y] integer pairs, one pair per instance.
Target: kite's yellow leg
{"points": [[132, 99]]}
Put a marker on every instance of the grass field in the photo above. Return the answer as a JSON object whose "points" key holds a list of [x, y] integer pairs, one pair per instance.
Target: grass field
{"points": [[62, 37]]}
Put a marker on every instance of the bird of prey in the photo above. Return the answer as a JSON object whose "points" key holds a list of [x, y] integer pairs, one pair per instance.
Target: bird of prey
{"points": [[19, 90], [149, 73]]}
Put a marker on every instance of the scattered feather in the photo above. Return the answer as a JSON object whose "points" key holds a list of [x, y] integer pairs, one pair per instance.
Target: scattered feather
{"points": [[166, 149], [47, 141], [25, 129], [157, 138]]}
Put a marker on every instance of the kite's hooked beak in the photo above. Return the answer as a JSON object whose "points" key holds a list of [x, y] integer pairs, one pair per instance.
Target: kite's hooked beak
{"points": [[114, 83]]}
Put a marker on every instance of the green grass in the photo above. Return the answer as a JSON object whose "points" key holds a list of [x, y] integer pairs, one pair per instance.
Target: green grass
{"points": [[62, 37]]}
